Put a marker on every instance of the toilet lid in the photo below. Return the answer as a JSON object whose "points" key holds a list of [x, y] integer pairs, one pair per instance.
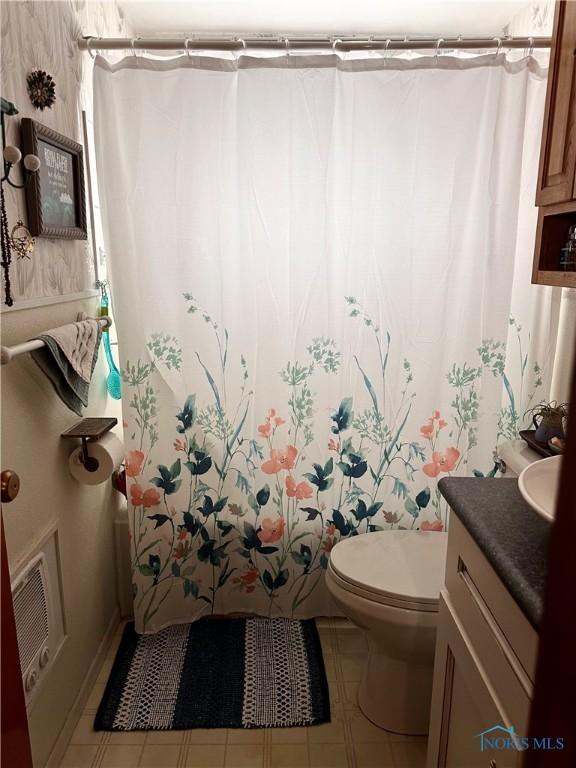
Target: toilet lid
{"points": [[403, 566]]}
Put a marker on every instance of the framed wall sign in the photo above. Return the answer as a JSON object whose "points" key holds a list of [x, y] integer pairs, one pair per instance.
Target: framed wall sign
{"points": [[55, 195]]}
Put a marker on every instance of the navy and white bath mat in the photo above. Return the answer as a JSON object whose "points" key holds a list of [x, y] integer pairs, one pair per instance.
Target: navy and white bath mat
{"points": [[217, 673]]}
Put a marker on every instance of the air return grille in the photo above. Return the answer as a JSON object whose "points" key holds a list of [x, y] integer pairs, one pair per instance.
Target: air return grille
{"points": [[39, 626], [31, 614]]}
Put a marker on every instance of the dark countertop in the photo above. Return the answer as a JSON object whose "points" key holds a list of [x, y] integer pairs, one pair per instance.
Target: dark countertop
{"points": [[512, 536]]}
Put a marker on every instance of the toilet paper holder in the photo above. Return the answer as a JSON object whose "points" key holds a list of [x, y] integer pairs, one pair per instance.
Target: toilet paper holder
{"points": [[90, 430]]}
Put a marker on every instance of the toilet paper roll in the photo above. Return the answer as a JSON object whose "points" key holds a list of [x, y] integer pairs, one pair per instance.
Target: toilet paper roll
{"points": [[105, 456]]}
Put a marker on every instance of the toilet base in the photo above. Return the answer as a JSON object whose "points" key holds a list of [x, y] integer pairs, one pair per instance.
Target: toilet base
{"points": [[395, 695]]}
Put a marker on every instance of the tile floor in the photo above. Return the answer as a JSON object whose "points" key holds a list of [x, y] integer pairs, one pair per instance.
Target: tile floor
{"points": [[349, 741]]}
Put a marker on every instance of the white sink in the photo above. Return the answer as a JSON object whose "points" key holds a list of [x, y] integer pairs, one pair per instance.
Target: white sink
{"points": [[538, 483]]}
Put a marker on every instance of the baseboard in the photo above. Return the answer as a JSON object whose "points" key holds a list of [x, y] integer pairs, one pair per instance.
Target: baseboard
{"points": [[80, 701]]}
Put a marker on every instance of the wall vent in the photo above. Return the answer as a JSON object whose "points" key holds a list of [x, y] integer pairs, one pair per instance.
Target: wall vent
{"points": [[31, 614], [39, 626]]}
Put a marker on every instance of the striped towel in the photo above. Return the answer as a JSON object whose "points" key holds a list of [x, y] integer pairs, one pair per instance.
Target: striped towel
{"points": [[68, 359]]}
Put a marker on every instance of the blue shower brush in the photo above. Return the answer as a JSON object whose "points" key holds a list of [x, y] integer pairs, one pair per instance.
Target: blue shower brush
{"points": [[113, 380]]}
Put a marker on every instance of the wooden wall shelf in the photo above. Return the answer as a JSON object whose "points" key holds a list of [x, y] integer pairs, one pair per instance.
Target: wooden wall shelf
{"points": [[556, 193], [554, 222]]}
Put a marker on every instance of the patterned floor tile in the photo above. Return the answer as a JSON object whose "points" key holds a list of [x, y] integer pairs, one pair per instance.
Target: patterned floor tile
{"points": [[167, 737], [327, 733], [352, 641], [328, 756], [244, 756], [95, 698], [205, 756], [352, 668], [374, 756], [364, 731], [246, 736], [409, 754], [84, 732], [79, 756], [289, 735], [207, 736], [128, 737], [349, 741], [121, 756], [289, 756], [154, 756]]}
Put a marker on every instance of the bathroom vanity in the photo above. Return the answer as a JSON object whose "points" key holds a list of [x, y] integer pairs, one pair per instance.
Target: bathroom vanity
{"points": [[487, 636]]}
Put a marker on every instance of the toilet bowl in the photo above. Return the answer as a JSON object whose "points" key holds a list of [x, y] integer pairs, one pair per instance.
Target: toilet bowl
{"points": [[388, 584]]}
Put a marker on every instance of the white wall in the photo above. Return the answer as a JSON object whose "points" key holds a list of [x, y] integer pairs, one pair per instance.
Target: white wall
{"points": [[43, 35]]}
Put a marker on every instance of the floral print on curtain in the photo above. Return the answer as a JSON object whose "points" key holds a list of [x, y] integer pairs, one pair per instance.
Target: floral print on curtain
{"points": [[234, 520], [267, 415]]}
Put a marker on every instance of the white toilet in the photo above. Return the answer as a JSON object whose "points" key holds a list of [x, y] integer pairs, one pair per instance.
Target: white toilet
{"points": [[388, 583]]}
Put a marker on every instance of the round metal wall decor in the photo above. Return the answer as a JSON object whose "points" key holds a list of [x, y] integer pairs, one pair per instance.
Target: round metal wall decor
{"points": [[23, 243], [41, 89]]}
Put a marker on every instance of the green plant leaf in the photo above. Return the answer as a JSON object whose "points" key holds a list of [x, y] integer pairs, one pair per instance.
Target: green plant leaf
{"points": [[158, 520], [212, 385], [361, 512], [268, 580], [191, 524], [343, 416], [263, 495], [166, 481], [220, 504], [423, 498], [187, 415], [201, 465], [311, 512], [411, 507], [281, 579], [224, 527], [207, 507], [342, 526], [369, 387], [154, 563]]}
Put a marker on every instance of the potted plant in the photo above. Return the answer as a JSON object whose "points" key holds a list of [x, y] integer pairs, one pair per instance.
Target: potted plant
{"points": [[548, 420]]}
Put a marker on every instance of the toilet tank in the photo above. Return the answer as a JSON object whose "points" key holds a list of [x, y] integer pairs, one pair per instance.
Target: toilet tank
{"points": [[514, 456]]}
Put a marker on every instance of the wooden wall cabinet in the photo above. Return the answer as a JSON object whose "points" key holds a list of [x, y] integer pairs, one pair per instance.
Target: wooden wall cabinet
{"points": [[556, 193]]}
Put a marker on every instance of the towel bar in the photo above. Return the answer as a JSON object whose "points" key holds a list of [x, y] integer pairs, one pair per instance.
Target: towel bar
{"points": [[7, 353]]}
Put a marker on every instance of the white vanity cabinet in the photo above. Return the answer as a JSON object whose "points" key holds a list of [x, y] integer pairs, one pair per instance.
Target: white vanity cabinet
{"points": [[484, 664]]}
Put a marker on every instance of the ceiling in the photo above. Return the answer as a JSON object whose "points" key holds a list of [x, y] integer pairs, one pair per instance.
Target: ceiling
{"points": [[379, 17]]}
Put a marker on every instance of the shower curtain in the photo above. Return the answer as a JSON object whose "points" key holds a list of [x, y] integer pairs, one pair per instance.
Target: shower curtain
{"points": [[321, 282]]}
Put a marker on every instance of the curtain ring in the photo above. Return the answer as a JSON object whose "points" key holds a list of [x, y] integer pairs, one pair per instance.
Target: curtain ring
{"points": [[499, 41], [236, 54], [186, 47], [88, 41], [386, 52], [287, 46], [440, 40], [334, 44], [132, 43], [531, 49]]}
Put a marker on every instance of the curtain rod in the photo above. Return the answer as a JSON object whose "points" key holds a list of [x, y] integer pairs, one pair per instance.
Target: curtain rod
{"points": [[343, 43]]}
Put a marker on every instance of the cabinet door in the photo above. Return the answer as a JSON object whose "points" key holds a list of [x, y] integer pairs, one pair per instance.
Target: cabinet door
{"points": [[464, 704], [556, 177]]}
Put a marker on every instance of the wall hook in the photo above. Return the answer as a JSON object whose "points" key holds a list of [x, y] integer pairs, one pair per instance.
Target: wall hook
{"points": [[12, 154]]}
